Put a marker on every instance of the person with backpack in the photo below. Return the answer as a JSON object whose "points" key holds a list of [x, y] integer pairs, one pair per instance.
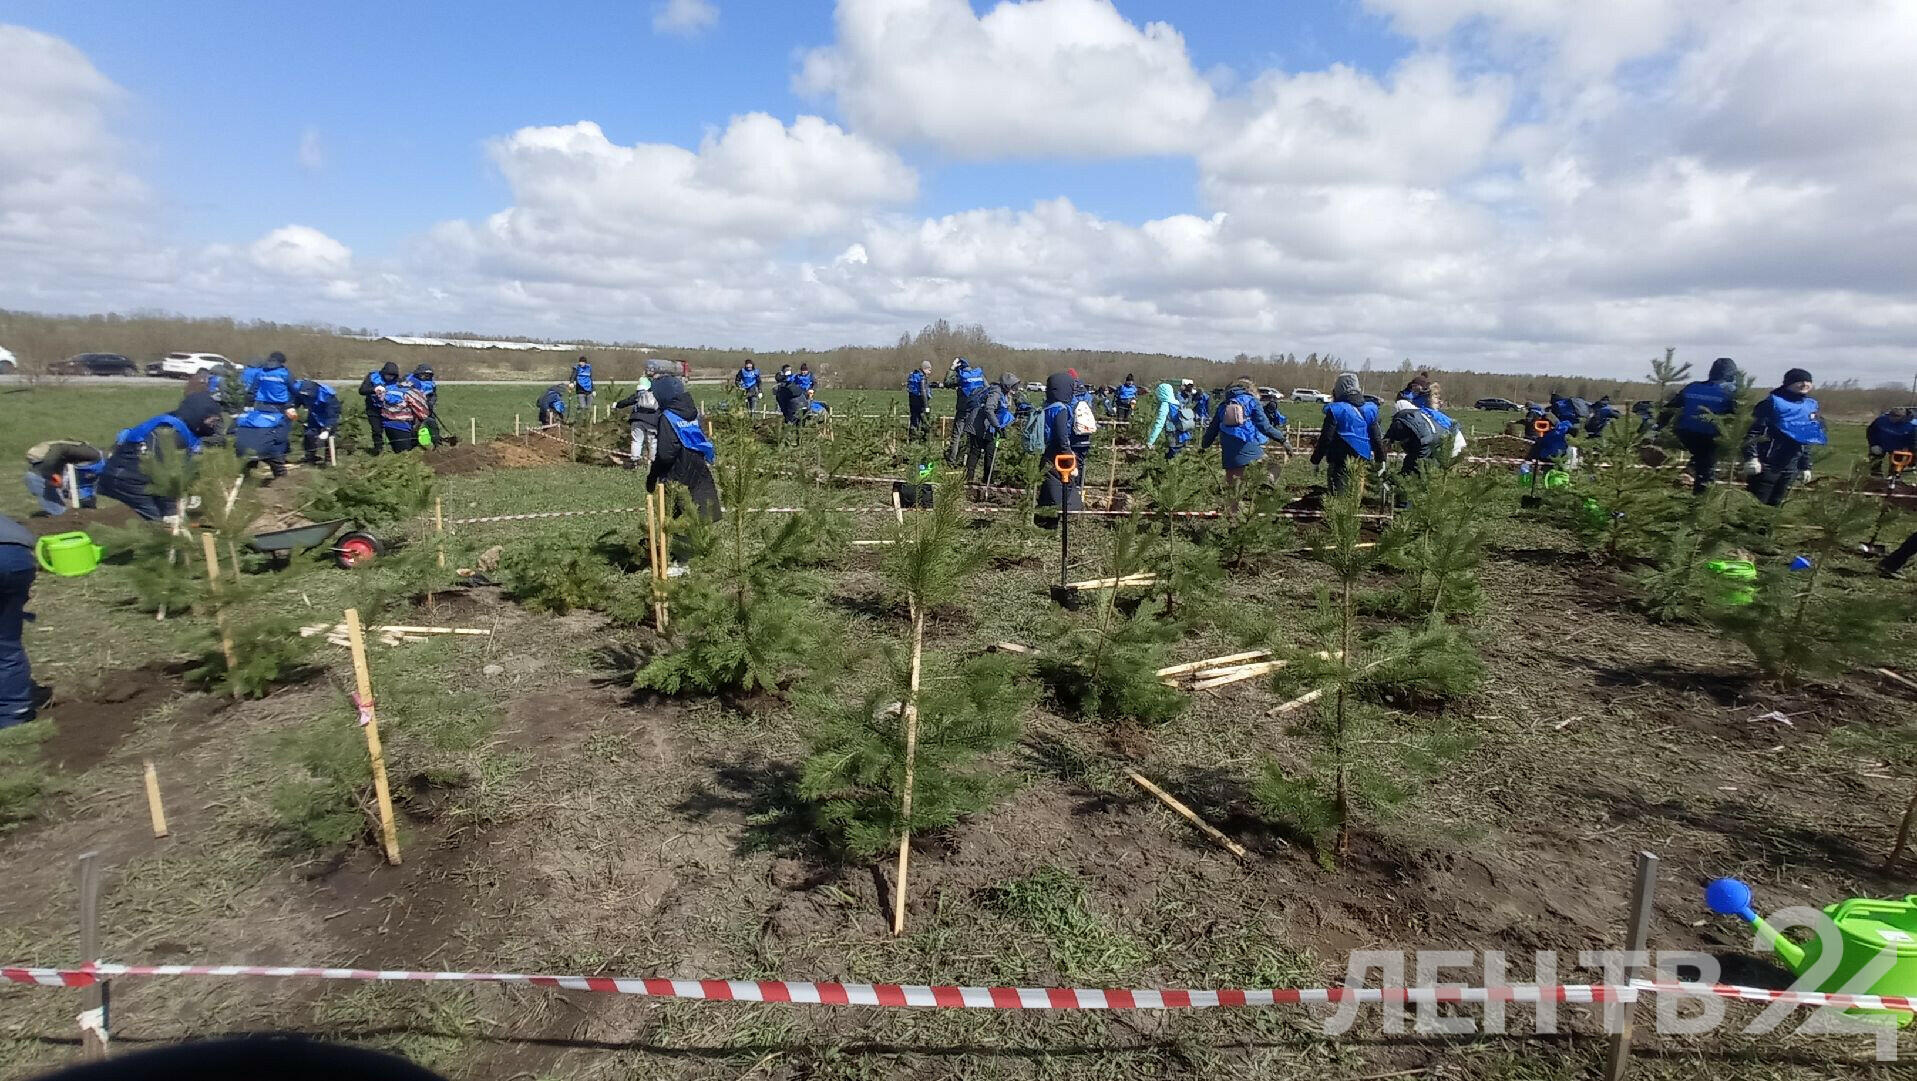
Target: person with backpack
{"points": [[1063, 434], [582, 385], [263, 436], [1423, 393], [1414, 432], [1174, 421], [194, 423], [403, 412], [968, 379], [1602, 414], [644, 418], [1350, 432], [1575, 410], [747, 380], [422, 380], [1784, 427], [552, 406], [1240, 429], [371, 390], [1125, 397], [918, 396], [322, 407], [683, 452], [994, 414], [1697, 413]]}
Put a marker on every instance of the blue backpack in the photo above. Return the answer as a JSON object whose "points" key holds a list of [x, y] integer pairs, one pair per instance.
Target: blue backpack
{"points": [[692, 437]]}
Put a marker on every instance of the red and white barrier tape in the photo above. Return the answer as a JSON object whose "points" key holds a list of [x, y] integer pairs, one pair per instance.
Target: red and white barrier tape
{"points": [[1765, 994]]}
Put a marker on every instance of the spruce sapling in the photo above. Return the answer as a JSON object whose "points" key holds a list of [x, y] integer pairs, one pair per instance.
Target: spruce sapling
{"points": [[1107, 668], [1626, 510], [1680, 585], [1440, 539]]}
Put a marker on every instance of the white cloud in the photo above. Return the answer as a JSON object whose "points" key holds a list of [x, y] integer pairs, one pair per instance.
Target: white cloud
{"points": [[300, 251], [1038, 78], [312, 154], [684, 17]]}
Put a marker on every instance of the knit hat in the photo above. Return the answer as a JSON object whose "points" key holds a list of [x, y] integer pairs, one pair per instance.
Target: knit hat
{"points": [[1796, 375], [390, 368]]}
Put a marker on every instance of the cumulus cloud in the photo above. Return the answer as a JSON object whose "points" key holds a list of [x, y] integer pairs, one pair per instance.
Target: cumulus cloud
{"points": [[684, 17], [301, 251], [1036, 78]]}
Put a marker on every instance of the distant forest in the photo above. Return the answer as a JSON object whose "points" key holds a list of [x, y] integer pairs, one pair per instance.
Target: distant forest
{"points": [[330, 352]]}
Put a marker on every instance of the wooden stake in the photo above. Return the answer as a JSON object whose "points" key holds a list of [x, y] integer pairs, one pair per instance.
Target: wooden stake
{"points": [[472, 429], [898, 509], [95, 1020], [363, 682], [1304, 699], [911, 718], [73, 487], [1637, 934], [1210, 679], [1213, 662], [1894, 677], [212, 554], [332, 451], [154, 808], [515, 424], [1111, 477], [172, 555], [439, 527], [1142, 578], [1189, 815]]}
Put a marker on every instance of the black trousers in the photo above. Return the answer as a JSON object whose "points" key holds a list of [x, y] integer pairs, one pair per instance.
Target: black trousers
{"points": [[1338, 466], [402, 439], [1123, 410], [980, 448], [1895, 561], [1054, 493], [379, 428], [1772, 484], [1703, 450], [314, 446], [917, 403]]}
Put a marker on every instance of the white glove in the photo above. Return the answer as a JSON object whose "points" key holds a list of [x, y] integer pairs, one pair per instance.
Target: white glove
{"points": [[1805, 478], [325, 434], [1752, 467], [1877, 452]]}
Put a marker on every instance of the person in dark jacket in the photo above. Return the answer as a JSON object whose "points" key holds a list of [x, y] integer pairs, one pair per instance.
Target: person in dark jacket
{"points": [[918, 396], [263, 436], [1415, 433], [46, 476], [1602, 414], [996, 409], [402, 412], [1893, 564], [322, 408], [968, 379], [1241, 430], [1350, 432], [582, 385], [1646, 421], [1784, 427], [683, 449], [186, 430], [747, 380], [1697, 413], [20, 697], [644, 419], [552, 405], [1054, 490], [371, 390], [1423, 393], [1125, 397], [1894, 430], [788, 396]]}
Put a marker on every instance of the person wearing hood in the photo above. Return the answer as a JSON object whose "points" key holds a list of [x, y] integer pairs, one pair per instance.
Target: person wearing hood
{"points": [[918, 395], [684, 453], [187, 429], [322, 407], [968, 379], [1241, 430], [1415, 433], [1054, 490], [46, 476], [269, 385], [1174, 421], [582, 384], [403, 412], [371, 390], [1784, 427], [1697, 414], [1894, 430], [552, 405], [1423, 393], [1574, 410], [20, 697], [1602, 414], [1273, 406], [747, 380], [996, 408], [790, 400], [422, 380], [1350, 432], [1125, 397], [263, 435], [644, 419]]}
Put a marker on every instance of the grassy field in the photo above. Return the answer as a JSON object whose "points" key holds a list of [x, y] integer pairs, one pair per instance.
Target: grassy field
{"points": [[555, 820]]}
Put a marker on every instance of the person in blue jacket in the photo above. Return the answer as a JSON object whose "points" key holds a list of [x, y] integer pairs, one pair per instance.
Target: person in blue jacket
{"points": [[1174, 421], [422, 380], [1125, 397], [1894, 430], [1273, 406], [1241, 430], [683, 453], [322, 409], [1054, 490], [804, 381], [1697, 412], [1350, 432], [20, 697], [186, 430], [995, 412], [371, 390], [1422, 392], [747, 380], [263, 435], [1602, 414], [968, 379], [582, 384], [552, 405], [1784, 427], [918, 397], [790, 399], [270, 384]]}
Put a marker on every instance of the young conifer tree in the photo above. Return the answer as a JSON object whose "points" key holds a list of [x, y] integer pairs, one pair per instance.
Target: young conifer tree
{"points": [[1106, 667], [1680, 586], [1441, 538], [1190, 568], [745, 615], [1625, 511], [884, 769]]}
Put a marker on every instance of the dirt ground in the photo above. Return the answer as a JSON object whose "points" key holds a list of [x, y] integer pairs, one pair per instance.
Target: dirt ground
{"points": [[656, 837]]}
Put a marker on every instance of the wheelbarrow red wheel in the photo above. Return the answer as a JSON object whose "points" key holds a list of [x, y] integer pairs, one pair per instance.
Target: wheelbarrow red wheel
{"points": [[356, 548]]}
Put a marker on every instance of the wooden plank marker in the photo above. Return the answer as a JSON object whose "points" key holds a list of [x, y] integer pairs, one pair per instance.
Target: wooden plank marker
{"points": [[515, 424], [212, 553], [363, 683], [1189, 815], [910, 716], [94, 1020], [332, 451], [898, 508], [1637, 934], [439, 527], [472, 429], [155, 810], [73, 487]]}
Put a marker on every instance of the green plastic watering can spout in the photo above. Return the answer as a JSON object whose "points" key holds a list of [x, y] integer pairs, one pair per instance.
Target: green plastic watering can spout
{"points": [[1731, 897], [1787, 951]]}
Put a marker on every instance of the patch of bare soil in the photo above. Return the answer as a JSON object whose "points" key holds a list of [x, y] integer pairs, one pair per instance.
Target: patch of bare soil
{"points": [[109, 514], [90, 721]]}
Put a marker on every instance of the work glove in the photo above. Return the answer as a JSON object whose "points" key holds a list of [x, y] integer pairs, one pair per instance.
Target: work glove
{"points": [[1806, 478], [325, 434], [1877, 452], [1752, 467]]}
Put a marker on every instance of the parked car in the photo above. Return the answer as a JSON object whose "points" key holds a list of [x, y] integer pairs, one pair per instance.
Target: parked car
{"points": [[186, 365], [9, 364], [1035, 387], [96, 364], [1501, 405], [1306, 394]]}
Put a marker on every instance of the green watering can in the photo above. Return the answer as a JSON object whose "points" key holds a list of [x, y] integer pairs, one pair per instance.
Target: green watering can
{"points": [[1737, 577], [1866, 928], [68, 555], [1553, 478]]}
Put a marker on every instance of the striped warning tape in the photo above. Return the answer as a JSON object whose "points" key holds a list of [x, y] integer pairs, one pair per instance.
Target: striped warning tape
{"points": [[1765, 994], [543, 514]]}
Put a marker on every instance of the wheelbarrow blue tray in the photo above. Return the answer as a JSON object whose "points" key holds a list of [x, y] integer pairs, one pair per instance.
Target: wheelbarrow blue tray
{"points": [[298, 538]]}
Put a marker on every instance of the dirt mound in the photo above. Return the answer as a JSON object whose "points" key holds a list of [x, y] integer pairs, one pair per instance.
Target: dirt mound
{"points": [[461, 460], [108, 514], [87, 726], [1500, 446]]}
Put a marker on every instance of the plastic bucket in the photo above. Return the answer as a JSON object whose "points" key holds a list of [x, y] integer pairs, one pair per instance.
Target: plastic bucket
{"points": [[1867, 928], [1735, 577], [68, 555]]}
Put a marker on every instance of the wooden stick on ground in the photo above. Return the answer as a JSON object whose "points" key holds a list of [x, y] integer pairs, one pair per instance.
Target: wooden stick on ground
{"points": [[1143, 578], [1304, 699], [363, 683], [1897, 678], [212, 553], [154, 808], [1189, 815], [1218, 678], [911, 718], [1212, 662], [1009, 647]]}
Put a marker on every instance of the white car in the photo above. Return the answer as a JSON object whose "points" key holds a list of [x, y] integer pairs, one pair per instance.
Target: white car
{"points": [[9, 364], [1306, 394], [186, 365]]}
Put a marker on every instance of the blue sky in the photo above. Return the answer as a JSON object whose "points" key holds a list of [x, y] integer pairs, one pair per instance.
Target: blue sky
{"points": [[1465, 182]]}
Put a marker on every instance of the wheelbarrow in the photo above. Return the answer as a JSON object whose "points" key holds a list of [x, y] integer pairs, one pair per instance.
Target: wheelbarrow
{"points": [[352, 549]]}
